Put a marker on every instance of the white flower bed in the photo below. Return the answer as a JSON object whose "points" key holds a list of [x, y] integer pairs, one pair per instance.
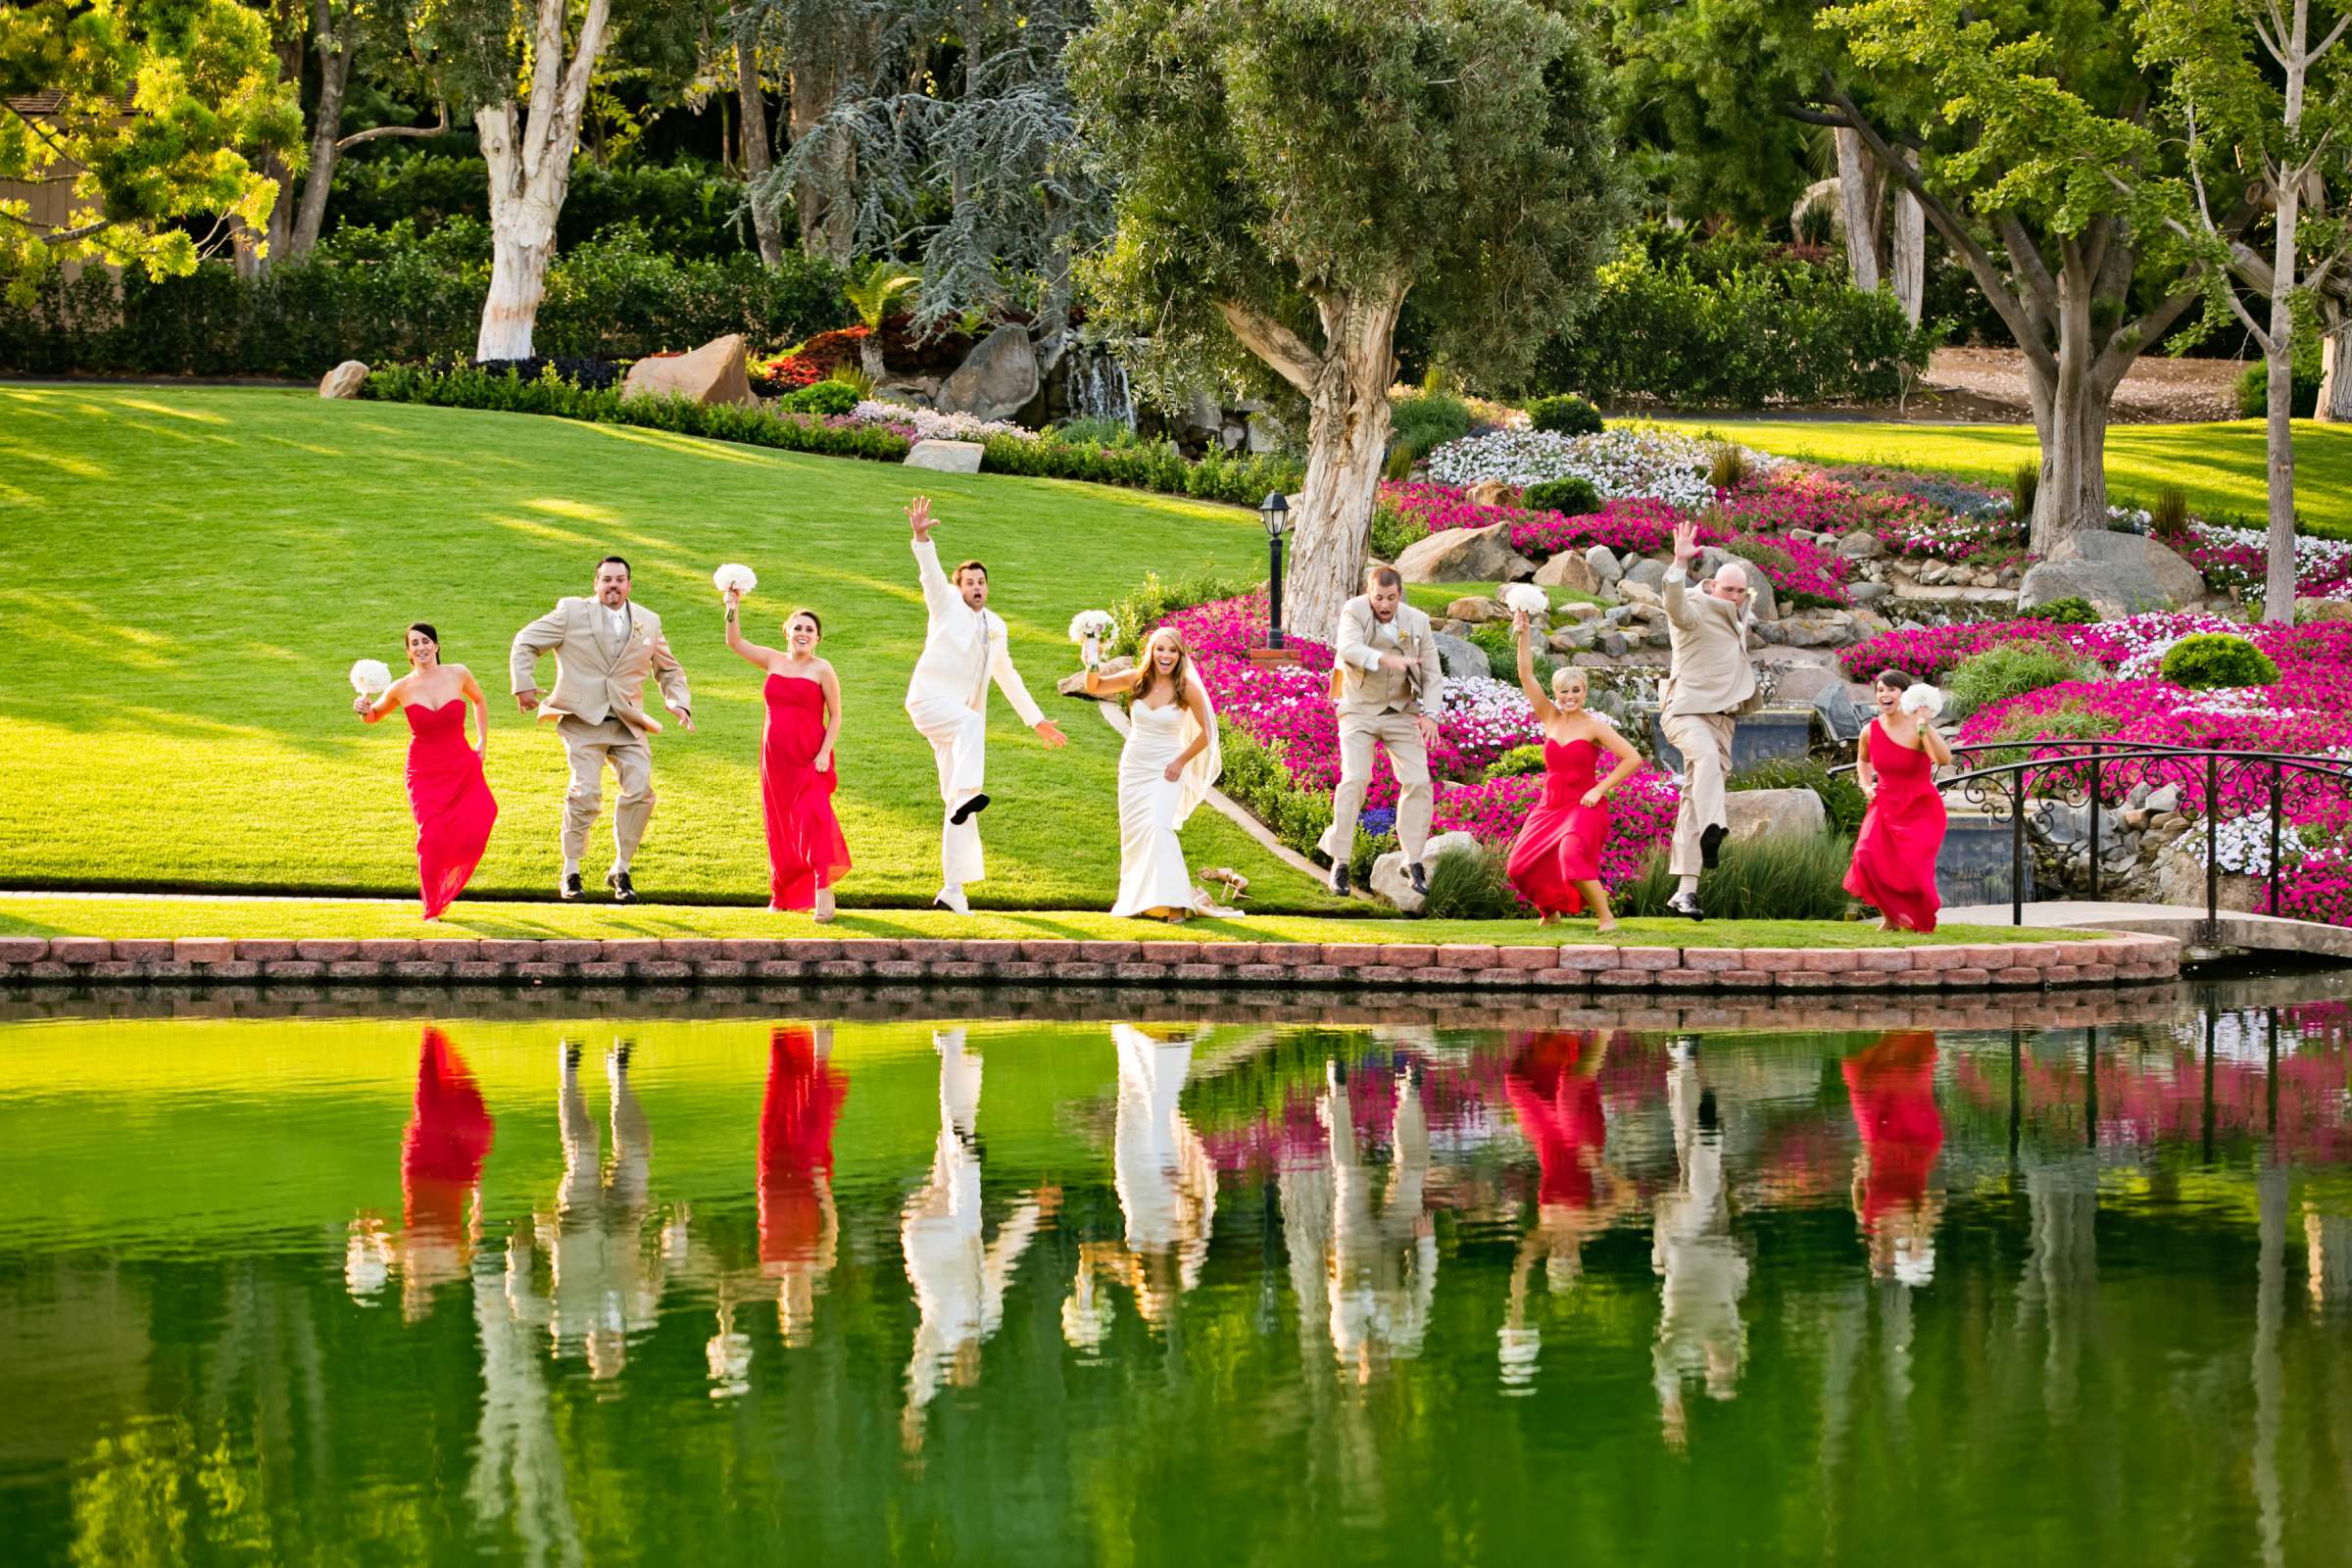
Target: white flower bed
{"points": [[2316, 560], [931, 425], [1484, 708], [1622, 464], [2152, 636]]}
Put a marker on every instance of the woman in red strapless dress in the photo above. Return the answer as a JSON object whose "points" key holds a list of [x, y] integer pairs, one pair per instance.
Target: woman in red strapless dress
{"points": [[1902, 833], [1556, 861], [798, 1225], [1892, 1088], [449, 799], [806, 852]]}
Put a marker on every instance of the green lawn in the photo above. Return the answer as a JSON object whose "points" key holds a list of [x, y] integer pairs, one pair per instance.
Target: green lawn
{"points": [[1432, 598], [2218, 466], [188, 575], [126, 917]]}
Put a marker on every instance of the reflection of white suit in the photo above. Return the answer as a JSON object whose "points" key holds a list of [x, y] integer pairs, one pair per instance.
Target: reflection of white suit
{"points": [[1167, 1189], [1704, 1273], [948, 699], [958, 1284], [1380, 1273]]}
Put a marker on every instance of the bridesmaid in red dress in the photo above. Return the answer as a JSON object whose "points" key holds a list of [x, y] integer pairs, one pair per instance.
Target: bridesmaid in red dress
{"points": [[449, 799], [1556, 862], [1902, 832], [798, 1225], [806, 852], [1892, 1088]]}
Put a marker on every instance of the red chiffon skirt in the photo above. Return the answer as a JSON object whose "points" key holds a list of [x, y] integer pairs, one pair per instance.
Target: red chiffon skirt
{"points": [[804, 846], [451, 801]]}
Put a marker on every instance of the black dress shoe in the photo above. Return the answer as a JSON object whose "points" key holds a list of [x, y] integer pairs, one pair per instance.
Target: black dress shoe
{"points": [[1339, 880], [623, 889], [570, 890], [969, 809], [1420, 878], [1710, 844]]}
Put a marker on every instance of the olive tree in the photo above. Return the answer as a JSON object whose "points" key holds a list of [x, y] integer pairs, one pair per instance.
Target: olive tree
{"points": [[1287, 171]]}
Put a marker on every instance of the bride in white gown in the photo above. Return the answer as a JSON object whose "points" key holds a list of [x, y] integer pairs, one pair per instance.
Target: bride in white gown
{"points": [[1170, 762]]}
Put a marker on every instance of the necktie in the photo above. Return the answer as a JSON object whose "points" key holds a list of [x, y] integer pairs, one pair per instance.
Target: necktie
{"points": [[980, 685]]}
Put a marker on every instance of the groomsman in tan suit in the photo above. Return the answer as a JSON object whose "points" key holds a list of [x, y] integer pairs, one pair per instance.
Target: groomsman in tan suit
{"points": [[1709, 679], [604, 647], [1389, 688]]}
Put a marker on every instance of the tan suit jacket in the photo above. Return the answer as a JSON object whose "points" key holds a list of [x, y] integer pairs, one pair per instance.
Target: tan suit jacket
{"points": [[1361, 687], [599, 676], [1709, 671]]}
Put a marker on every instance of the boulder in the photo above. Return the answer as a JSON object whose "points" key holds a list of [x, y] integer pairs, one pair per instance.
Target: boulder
{"points": [[711, 374], [1861, 546], [1637, 595], [344, 381], [1473, 609], [1582, 611], [1605, 570], [1461, 555], [1802, 683], [1840, 712], [1650, 574], [999, 377], [1458, 657], [1568, 570], [1773, 813], [1393, 882], [946, 456], [1487, 493], [1867, 593], [2315, 612], [1816, 628], [2121, 573]]}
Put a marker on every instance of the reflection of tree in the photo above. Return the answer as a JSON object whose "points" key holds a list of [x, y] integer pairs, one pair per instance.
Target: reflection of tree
{"points": [[958, 1283], [1553, 1085], [2327, 1245], [1703, 1271], [1167, 1191], [2061, 1280], [517, 1459]]}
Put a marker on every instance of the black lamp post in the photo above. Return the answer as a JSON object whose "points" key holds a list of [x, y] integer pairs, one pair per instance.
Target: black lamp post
{"points": [[1275, 512]]}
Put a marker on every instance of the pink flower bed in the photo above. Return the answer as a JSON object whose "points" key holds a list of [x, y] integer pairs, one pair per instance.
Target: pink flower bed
{"points": [[1640, 816]]}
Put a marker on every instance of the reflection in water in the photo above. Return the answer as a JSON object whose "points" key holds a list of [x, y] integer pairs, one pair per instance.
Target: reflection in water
{"points": [[1892, 1088], [958, 1283], [1553, 1085], [441, 1155], [1167, 1191], [799, 1230], [605, 1282], [1704, 1272]]}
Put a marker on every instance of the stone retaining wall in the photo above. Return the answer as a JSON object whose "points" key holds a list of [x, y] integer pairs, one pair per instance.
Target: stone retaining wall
{"points": [[2110, 960]]}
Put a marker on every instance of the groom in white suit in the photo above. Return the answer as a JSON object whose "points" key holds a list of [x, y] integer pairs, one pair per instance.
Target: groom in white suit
{"points": [[948, 699]]}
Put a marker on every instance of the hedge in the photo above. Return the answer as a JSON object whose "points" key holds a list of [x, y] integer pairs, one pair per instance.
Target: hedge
{"points": [[1770, 330], [394, 295]]}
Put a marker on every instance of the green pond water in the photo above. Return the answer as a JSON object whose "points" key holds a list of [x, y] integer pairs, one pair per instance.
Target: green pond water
{"points": [[605, 1289]]}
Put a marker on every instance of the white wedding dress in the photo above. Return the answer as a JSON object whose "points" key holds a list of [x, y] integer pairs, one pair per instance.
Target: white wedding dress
{"points": [[1152, 874]]}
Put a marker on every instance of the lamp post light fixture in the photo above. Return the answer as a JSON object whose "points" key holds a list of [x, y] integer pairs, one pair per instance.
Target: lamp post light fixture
{"points": [[1275, 512]]}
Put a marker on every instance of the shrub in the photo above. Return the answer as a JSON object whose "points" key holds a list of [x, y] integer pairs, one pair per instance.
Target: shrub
{"points": [[1394, 532], [1565, 413], [2168, 520], [2025, 482], [1784, 877], [1241, 479], [2254, 391], [1517, 762], [2208, 660], [1841, 797], [2009, 671], [2072, 611], [1153, 601], [822, 397], [1421, 422], [1733, 325], [1572, 496], [593, 374], [1494, 639], [1098, 431], [1468, 883], [1254, 776]]}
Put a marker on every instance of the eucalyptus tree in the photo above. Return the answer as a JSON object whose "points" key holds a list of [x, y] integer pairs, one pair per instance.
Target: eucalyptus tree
{"points": [[206, 110], [2263, 102], [1287, 171]]}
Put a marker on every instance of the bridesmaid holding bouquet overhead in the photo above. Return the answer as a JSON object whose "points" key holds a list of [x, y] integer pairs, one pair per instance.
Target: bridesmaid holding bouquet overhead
{"points": [[1902, 832], [806, 852], [1556, 862], [447, 792]]}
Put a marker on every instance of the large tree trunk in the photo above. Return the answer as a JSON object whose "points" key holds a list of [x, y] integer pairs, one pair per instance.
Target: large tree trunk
{"points": [[336, 45], [756, 151], [254, 254], [530, 169], [828, 227], [2070, 403], [1858, 199], [2278, 588], [1908, 249], [2335, 365]]}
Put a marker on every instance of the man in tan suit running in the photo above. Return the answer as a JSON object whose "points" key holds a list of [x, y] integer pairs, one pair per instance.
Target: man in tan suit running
{"points": [[1708, 680], [604, 648], [1389, 689]]}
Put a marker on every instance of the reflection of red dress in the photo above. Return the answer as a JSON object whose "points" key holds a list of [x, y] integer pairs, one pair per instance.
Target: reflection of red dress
{"points": [[450, 800], [1559, 843], [1902, 833], [1560, 1110], [448, 1139], [796, 1144], [1892, 1088], [804, 846]]}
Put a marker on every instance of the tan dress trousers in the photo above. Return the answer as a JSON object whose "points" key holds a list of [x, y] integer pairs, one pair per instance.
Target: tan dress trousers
{"points": [[1705, 742], [590, 749], [1407, 757]]}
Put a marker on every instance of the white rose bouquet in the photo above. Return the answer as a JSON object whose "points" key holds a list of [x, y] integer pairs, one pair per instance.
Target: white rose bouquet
{"points": [[371, 677], [1922, 700], [734, 576], [1087, 628]]}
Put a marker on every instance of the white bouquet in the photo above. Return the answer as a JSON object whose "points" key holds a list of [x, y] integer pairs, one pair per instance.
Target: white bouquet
{"points": [[1087, 628], [737, 577], [371, 677], [1527, 599], [1922, 700]]}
